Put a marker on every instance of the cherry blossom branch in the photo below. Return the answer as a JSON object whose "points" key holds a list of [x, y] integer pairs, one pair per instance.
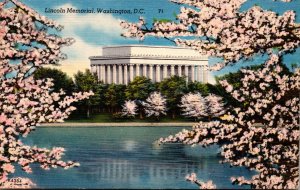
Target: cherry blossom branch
{"points": [[25, 102], [202, 185], [262, 134], [219, 29]]}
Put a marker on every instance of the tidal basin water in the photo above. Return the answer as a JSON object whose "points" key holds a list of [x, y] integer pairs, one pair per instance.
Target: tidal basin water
{"points": [[126, 157]]}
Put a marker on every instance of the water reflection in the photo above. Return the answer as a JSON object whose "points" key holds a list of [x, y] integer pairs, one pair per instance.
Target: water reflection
{"points": [[126, 157], [129, 145], [125, 170]]}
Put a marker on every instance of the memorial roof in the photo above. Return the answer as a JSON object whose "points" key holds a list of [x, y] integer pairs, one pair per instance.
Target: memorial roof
{"points": [[143, 51]]}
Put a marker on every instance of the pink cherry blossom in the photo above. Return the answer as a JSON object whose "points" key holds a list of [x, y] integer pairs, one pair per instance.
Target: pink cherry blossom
{"points": [[24, 101], [203, 185], [193, 105], [219, 28], [8, 168], [155, 105], [262, 133], [129, 108]]}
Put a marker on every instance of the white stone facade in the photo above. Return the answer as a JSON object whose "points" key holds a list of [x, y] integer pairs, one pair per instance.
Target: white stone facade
{"points": [[121, 64]]}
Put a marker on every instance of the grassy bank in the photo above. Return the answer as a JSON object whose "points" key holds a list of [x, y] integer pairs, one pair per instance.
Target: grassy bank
{"points": [[108, 118]]}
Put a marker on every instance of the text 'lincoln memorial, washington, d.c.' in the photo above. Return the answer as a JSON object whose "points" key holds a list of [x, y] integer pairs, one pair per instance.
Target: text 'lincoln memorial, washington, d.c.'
{"points": [[121, 64]]}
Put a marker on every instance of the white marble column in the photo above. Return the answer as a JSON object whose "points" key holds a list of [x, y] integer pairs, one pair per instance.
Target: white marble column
{"points": [[193, 73], [165, 72], [151, 72], [115, 74], [108, 74], [186, 72], [157, 73], [179, 70], [131, 72], [120, 74], [103, 73], [205, 76], [99, 73], [125, 75], [93, 68], [199, 73], [137, 70], [172, 70], [145, 70]]}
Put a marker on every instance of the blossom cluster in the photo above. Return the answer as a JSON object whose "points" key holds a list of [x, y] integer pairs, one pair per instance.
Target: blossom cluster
{"points": [[25, 102], [129, 108], [193, 105], [155, 105], [261, 134], [218, 28], [18, 28], [196, 106], [203, 185]]}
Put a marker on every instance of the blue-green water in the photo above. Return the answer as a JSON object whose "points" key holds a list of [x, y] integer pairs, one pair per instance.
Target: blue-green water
{"points": [[125, 157]]}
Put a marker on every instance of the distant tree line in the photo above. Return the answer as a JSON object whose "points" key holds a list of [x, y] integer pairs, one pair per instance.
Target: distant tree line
{"points": [[109, 98]]}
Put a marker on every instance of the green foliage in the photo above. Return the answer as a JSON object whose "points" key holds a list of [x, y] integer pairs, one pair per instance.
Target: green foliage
{"points": [[216, 89], [139, 88], [117, 116], [200, 87], [173, 89], [101, 90], [110, 97], [86, 81], [60, 79], [115, 95]]}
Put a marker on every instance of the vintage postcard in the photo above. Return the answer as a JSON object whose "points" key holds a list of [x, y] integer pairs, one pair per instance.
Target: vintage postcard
{"points": [[139, 94]]}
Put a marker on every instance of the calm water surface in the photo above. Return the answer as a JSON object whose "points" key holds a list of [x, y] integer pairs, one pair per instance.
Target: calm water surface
{"points": [[126, 157]]}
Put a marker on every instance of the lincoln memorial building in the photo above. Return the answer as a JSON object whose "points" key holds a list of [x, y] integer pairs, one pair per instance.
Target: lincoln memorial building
{"points": [[121, 64]]}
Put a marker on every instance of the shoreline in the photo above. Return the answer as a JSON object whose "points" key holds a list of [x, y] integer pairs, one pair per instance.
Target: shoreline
{"points": [[127, 124]]}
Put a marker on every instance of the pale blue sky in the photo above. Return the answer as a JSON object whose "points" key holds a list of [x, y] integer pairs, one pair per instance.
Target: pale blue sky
{"points": [[92, 31]]}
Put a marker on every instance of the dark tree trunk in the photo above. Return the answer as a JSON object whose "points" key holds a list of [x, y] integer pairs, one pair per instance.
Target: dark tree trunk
{"points": [[141, 115], [173, 115], [88, 112]]}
